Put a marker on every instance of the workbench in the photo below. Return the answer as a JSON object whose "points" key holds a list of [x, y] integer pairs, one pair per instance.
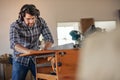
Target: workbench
{"points": [[65, 64]]}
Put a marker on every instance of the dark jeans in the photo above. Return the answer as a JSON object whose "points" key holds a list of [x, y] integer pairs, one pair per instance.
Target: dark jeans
{"points": [[19, 71]]}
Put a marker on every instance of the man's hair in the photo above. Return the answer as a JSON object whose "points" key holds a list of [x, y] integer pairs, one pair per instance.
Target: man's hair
{"points": [[30, 9]]}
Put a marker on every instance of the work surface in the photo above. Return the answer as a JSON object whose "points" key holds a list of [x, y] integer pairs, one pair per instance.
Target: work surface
{"points": [[66, 58]]}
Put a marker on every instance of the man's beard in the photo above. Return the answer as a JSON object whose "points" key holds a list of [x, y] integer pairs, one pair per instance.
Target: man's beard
{"points": [[30, 25]]}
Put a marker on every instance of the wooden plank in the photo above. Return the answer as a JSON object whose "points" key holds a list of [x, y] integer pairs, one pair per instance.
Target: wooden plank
{"points": [[46, 76], [86, 23], [37, 52]]}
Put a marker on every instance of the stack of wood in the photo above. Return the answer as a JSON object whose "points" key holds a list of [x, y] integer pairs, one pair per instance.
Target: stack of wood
{"points": [[5, 58]]}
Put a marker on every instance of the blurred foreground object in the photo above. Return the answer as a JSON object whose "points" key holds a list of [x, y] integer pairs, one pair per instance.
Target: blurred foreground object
{"points": [[100, 57]]}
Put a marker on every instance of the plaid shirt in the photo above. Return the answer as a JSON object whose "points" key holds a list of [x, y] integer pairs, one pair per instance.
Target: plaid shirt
{"points": [[28, 37]]}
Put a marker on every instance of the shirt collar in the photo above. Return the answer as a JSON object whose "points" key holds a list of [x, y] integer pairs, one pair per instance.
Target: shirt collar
{"points": [[24, 24]]}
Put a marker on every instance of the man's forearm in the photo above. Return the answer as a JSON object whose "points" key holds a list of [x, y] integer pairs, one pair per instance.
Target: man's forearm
{"points": [[21, 49]]}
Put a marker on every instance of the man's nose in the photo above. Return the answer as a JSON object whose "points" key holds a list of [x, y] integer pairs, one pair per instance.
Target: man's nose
{"points": [[31, 21]]}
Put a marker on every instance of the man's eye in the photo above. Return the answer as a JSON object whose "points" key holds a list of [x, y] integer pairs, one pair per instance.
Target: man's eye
{"points": [[30, 18], [27, 18]]}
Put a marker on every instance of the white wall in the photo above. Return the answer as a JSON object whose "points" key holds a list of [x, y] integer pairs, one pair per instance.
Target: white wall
{"points": [[54, 11]]}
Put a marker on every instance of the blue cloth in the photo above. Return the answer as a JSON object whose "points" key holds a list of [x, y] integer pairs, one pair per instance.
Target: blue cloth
{"points": [[19, 71]]}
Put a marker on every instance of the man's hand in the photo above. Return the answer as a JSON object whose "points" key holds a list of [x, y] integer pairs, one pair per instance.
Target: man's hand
{"points": [[47, 45], [23, 50]]}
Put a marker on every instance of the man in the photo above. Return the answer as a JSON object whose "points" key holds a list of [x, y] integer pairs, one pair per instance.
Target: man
{"points": [[24, 39]]}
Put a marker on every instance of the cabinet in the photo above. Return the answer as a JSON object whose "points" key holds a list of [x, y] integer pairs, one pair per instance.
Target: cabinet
{"points": [[66, 64]]}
